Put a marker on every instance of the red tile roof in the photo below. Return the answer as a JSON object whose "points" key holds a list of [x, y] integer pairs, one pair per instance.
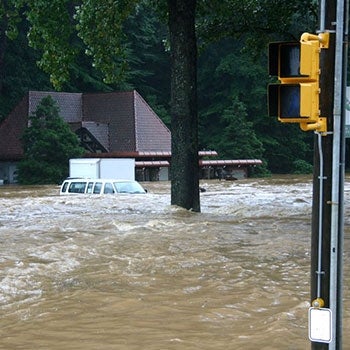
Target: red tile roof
{"points": [[70, 104], [236, 162], [151, 163], [151, 133]]}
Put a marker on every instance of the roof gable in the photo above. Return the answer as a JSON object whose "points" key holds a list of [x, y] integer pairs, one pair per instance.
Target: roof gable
{"points": [[100, 132], [133, 125], [117, 110]]}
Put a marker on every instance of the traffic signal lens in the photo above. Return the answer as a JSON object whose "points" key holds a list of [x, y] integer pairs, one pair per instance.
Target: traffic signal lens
{"points": [[289, 60], [284, 102], [289, 101]]}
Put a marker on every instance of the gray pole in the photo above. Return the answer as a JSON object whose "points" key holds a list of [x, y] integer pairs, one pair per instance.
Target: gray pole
{"points": [[333, 18], [338, 172], [323, 160]]}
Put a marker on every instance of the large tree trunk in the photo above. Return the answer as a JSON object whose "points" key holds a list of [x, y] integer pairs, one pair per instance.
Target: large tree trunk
{"points": [[184, 118]]}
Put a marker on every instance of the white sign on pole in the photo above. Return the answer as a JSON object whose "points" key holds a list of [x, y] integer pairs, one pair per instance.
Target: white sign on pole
{"points": [[320, 325]]}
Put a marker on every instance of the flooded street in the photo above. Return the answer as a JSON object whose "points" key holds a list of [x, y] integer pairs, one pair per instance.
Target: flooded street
{"points": [[133, 272]]}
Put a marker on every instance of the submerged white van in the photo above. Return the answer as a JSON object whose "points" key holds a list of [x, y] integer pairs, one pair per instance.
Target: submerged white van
{"points": [[99, 186]]}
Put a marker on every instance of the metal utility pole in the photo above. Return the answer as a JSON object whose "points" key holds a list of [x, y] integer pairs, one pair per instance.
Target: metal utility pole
{"points": [[329, 169]]}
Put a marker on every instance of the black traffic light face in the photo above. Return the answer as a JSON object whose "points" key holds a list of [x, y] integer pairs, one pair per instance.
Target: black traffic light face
{"points": [[284, 98], [289, 60], [284, 102], [284, 59]]}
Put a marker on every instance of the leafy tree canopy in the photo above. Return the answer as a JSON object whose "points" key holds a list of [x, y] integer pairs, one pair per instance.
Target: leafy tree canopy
{"points": [[61, 29], [232, 37], [48, 145]]}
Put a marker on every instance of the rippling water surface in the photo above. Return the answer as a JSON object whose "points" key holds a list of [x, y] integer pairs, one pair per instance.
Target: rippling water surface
{"points": [[133, 272]]}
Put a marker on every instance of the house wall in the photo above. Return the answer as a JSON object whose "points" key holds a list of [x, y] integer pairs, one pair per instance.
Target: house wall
{"points": [[152, 174], [8, 172], [11, 131], [226, 172], [163, 174]]}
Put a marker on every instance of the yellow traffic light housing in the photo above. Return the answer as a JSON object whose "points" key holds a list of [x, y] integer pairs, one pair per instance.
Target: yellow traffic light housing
{"points": [[309, 101], [310, 56], [297, 65]]}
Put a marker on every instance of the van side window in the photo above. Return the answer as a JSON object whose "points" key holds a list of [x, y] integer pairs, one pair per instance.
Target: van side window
{"points": [[77, 187], [97, 188], [89, 187], [108, 188]]}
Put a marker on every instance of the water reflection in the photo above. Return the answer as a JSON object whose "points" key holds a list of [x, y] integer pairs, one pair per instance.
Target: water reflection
{"points": [[133, 272]]}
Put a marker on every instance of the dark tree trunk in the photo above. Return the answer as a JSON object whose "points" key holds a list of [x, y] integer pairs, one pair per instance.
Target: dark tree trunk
{"points": [[184, 118]]}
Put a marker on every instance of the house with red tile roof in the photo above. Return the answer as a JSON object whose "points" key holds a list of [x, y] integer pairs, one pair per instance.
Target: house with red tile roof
{"points": [[114, 124]]}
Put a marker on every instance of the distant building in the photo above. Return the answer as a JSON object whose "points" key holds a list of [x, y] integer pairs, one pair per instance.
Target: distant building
{"points": [[113, 125]]}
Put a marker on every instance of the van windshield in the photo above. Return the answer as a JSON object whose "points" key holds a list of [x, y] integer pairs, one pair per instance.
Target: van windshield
{"points": [[128, 187]]}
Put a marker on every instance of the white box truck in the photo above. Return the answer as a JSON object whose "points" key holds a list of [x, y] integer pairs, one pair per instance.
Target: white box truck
{"points": [[103, 168], [89, 167], [117, 168]]}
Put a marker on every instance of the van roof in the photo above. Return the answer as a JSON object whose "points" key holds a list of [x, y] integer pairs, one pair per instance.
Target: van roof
{"points": [[97, 179]]}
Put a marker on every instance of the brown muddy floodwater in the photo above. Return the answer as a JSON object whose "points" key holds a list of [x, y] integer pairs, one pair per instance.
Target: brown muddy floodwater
{"points": [[132, 272]]}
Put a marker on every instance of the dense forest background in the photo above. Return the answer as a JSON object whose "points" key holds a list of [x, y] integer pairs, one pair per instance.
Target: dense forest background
{"points": [[232, 85]]}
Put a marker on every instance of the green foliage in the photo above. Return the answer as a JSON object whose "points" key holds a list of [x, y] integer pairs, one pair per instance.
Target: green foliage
{"points": [[231, 101], [228, 74], [10, 17], [149, 62], [51, 32], [100, 26], [126, 40], [302, 167], [20, 72], [238, 139], [48, 145], [260, 21]]}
